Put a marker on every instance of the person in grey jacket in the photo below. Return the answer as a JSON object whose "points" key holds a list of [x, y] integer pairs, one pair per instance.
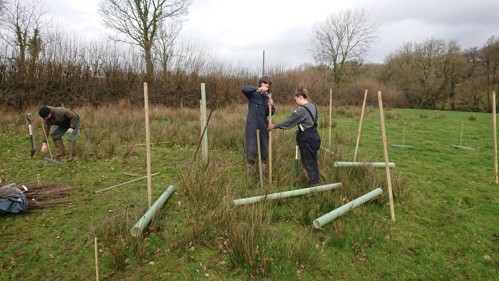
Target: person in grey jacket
{"points": [[66, 121], [305, 119], [259, 101]]}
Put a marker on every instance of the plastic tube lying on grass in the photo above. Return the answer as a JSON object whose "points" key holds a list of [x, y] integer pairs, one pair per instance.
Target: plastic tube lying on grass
{"points": [[285, 194], [329, 217], [357, 164], [146, 218]]}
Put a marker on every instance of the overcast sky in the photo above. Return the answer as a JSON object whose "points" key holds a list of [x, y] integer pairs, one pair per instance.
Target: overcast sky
{"points": [[239, 31]]}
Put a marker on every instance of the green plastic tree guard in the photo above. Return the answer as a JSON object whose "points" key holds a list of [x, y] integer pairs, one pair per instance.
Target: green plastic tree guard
{"points": [[285, 194], [146, 218], [329, 217]]}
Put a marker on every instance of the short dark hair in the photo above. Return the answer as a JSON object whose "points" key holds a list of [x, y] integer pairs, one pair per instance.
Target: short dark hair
{"points": [[44, 112], [266, 80]]}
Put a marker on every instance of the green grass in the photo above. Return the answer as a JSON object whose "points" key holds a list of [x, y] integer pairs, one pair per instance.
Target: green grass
{"points": [[446, 201]]}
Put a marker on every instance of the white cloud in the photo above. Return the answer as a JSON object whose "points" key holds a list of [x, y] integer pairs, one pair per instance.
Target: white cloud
{"points": [[239, 31]]}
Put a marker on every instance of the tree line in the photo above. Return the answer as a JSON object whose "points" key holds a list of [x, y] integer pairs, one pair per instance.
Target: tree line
{"points": [[42, 64]]}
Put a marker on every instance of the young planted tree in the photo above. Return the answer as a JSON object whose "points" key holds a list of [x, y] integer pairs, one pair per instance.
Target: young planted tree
{"points": [[139, 22], [343, 37]]}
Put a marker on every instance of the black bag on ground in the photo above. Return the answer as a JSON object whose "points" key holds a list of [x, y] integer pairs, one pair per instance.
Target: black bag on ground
{"points": [[12, 200]]}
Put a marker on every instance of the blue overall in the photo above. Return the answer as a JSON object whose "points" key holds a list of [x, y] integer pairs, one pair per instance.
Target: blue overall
{"points": [[258, 111]]}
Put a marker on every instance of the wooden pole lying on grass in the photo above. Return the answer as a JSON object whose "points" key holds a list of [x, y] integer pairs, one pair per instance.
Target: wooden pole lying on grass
{"points": [[495, 135], [96, 260], [360, 127], [359, 164], [385, 149], [148, 146], [114, 186]]}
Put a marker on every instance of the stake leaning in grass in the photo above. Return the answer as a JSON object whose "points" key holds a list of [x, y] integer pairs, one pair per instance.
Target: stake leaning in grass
{"points": [[51, 159], [360, 127], [385, 150]]}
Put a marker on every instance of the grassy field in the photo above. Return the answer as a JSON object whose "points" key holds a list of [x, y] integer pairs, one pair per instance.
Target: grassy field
{"points": [[446, 201]]}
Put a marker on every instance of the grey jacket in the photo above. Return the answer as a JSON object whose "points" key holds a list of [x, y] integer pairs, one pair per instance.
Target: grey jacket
{"points": [[300, 117]]}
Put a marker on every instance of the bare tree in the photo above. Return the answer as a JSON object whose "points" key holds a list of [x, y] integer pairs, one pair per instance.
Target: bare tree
{"points": [[164, 47], [21, 21], [342, 37], [139, 21]]}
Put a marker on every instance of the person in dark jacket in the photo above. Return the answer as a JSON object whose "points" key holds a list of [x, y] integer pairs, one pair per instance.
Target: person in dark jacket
{"points": [[305, 118], [259, 102], [66, 121]]}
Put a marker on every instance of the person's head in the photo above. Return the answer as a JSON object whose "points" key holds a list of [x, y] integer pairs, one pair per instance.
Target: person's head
{"points": [[301, 94], [44, 112], [265, 80]]}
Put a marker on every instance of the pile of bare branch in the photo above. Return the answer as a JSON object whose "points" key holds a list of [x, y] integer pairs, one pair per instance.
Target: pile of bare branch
{"points": [[49, 195], [40, 196]]}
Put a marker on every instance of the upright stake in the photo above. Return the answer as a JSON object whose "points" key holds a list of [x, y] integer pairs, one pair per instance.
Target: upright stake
{"points": [[96, 260], [360, 127], [403, 135], [263, 63], [270, 143], [148, 146], [387, 162], [296, 159], [205, 124], [259, 156], [330, 116], [462, 129], [495, 135]]}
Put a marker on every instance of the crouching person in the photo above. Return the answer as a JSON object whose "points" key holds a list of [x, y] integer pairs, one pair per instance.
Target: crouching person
{"points": [[66, 121]]}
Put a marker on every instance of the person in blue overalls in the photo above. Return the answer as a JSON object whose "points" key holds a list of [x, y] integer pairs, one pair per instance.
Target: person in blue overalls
{"points": [[305, 118], [259, 101]]}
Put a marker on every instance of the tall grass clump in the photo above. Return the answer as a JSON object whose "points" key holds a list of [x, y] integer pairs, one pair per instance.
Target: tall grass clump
{"points": [[120, 248], [250, 240]]}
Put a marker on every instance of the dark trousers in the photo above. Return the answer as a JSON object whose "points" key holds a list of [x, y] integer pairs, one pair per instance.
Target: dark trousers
{"points": [[309, 143]]}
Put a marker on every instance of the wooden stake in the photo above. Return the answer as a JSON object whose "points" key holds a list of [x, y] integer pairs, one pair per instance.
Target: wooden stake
{"points": [[114, 186], [387, 162], [46, 138], [269, 162], [462, 129], [495, 134], [360, 127], [263, 63], [148, 146], [96, 260], [259, 156], [330, 116]]}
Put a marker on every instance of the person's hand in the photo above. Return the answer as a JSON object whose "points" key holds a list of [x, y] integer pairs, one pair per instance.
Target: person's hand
{"points": [[270, 127], [263, 89], [44, 147], [70, 131]]}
